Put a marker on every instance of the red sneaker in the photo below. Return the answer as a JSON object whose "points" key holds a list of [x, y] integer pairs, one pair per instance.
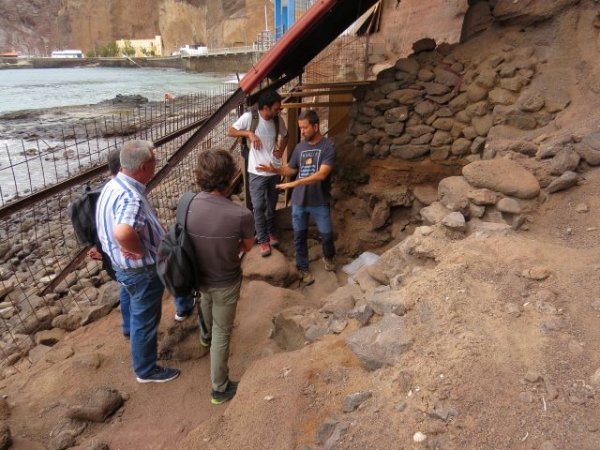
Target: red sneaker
{"points": [[265, 249], [273, 241]]}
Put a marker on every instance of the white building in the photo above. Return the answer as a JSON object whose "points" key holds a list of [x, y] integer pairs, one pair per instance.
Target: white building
{"points": [[67, 54]]}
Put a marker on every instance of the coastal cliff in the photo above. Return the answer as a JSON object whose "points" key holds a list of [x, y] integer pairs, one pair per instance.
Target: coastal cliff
{"points": [[37, 27]]}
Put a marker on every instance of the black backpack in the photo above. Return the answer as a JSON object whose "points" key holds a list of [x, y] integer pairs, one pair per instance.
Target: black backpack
{"points": [[83, 215], [253, 124], [177, 266]]}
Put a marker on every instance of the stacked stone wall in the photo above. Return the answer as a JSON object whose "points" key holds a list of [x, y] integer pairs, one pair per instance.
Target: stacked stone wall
{"points": [[435, 105], [489, 122]]}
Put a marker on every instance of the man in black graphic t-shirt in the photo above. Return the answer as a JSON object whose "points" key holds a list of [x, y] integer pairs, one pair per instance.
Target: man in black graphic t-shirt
{"points": [[312, 161]]}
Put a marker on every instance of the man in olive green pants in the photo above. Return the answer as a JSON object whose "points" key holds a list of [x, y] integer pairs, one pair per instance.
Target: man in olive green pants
{"points": [[218, 311], [219, 230]]}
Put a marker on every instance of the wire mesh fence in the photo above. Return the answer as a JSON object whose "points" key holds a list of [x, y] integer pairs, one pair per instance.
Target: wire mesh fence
{"points": [[41, 175], [55, 154], [345, 59], [37, 241]]}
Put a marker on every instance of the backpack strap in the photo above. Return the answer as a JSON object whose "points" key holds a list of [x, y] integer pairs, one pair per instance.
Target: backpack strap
{"points": [[254, 124], [254, 121], [183, 207]]}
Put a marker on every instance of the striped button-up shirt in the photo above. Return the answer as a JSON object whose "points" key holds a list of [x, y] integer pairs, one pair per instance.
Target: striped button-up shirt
{"points": [[123, 201]]}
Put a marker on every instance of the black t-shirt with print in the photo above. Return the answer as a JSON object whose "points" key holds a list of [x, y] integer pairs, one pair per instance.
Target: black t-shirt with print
{"points": [[307, 159]]}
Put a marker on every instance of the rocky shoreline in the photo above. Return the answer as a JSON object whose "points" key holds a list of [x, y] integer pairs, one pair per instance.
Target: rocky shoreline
{"points": [[37, 242], [51, 123]]}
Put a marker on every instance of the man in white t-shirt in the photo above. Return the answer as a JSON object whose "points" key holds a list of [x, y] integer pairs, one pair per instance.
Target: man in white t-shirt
{"points": [[264, 151]]}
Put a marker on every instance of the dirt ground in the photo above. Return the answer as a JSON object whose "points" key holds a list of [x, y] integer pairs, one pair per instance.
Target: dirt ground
{"points": [[478, 335], [499, 359]]}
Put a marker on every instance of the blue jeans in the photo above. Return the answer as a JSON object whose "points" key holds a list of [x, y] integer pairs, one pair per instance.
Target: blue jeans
{"points": [[184, 304], [125, 313], [145, 302], [263, 194], [322, 218]]}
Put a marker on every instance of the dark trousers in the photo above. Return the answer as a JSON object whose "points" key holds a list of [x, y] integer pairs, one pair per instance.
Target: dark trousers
{"points": [[264, 201]]}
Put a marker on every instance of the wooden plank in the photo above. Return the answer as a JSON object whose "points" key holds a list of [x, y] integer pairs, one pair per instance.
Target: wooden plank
{"points": [[339, 117], [335, 84], [293, 139], [293, 106], [317, 93]]}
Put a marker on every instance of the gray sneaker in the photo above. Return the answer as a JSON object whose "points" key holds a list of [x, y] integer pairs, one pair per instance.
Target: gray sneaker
{"points": [[329, 264]]}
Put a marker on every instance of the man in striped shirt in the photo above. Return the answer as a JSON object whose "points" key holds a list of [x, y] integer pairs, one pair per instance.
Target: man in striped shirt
{"points": [[130, 233]]}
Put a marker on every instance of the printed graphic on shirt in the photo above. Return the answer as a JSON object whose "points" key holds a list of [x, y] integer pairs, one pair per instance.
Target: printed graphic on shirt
{"points": [[309, 162]]}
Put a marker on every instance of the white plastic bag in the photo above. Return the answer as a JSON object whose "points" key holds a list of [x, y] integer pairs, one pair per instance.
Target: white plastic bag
{"points": [[364, 259]]}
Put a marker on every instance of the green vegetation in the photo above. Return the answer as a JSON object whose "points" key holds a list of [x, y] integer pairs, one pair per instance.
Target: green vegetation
{"points": [[109, 50], [128, 49]]}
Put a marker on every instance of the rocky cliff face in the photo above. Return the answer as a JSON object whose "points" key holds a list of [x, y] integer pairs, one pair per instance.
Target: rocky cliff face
{"points": [[450, 21], [38, 27]]}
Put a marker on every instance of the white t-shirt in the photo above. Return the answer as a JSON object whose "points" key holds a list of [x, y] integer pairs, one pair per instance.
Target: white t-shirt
{"points": [[265, 130]]}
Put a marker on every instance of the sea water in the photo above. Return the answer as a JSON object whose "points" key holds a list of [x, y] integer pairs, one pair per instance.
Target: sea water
{"points": [[46, 88], [25, 89]]}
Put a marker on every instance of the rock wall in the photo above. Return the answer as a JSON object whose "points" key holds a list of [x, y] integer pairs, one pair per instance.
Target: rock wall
{"points": [[477, 132], [452, 21], [405, 22], [436, 104]]}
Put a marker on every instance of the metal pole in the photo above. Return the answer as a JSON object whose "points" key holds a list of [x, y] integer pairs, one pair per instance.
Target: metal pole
{"points": [[266, 21], [291, 13], [278, 25]]}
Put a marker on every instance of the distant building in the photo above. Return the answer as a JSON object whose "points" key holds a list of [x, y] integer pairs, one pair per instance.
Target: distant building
{"points": [[67, 54], [193, 50], [141, 47]]}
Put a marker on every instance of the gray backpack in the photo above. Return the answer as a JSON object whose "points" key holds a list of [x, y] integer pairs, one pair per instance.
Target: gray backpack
{"points": [[177, 266]]}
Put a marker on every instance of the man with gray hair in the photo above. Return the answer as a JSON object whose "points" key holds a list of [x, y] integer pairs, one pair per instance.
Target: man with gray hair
{"points": [[130, 232]]}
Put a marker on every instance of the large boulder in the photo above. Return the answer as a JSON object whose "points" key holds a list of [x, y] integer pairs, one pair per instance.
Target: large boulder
{"points": [[565, 181], [383, 301], [275, 269], [295, 326], [565, 160], [552, 146], [452, 193], [109, 293], [588, 154], [434, 213], [381, 344], [502, 175], [342, 300], [593, 140], [454, 221], [408, 151], [530, 11], [95, 405], [92, 313]]}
